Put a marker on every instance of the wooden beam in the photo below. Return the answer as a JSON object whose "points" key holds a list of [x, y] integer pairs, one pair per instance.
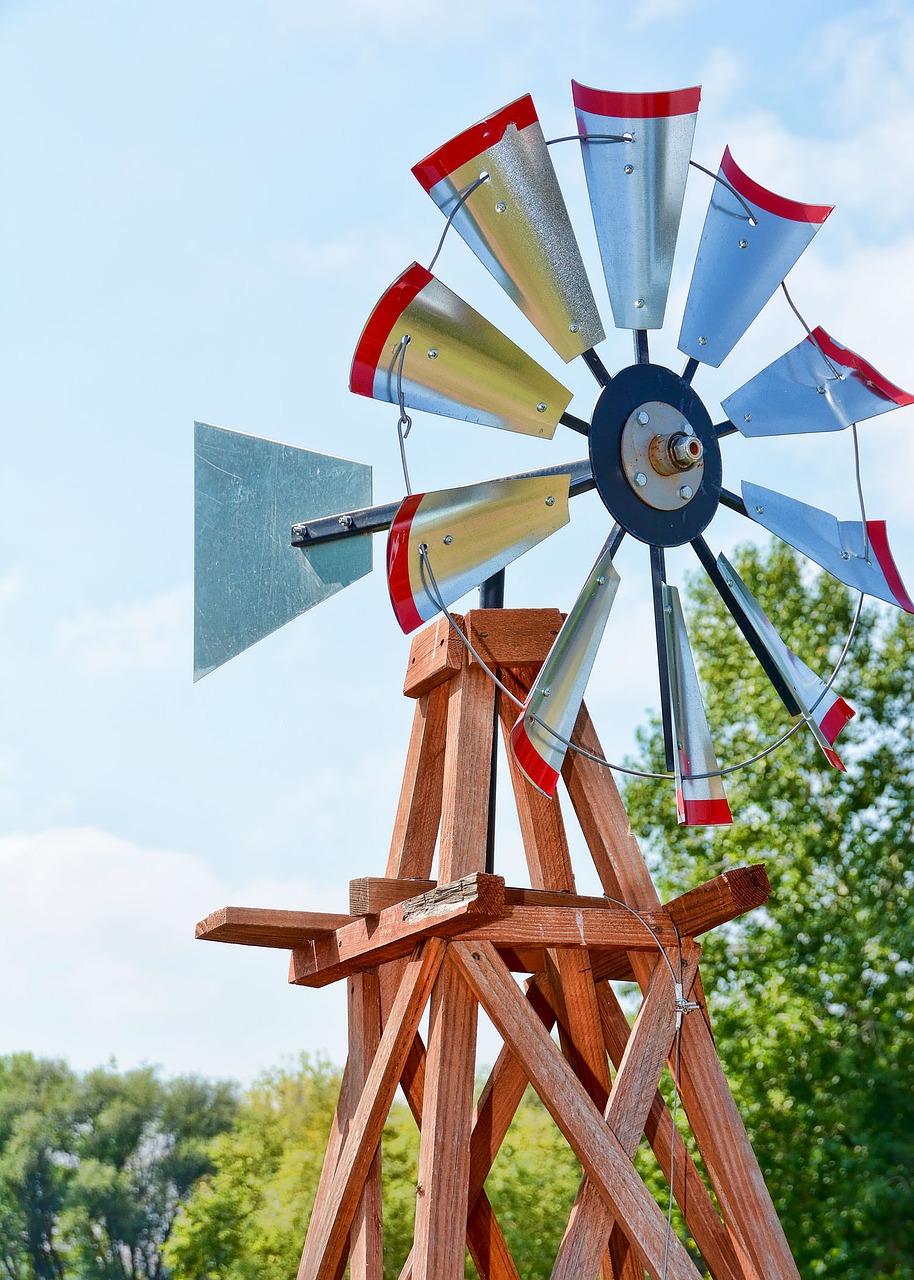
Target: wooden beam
{"points": [[330, 1222], [439, 1243], [369, 941], [606, 928], [598, 1150], [415, 832], [512, 637], [262, 927], [435, 655], [370, 895], [467, 768], [366, 1239], [719, 900]]}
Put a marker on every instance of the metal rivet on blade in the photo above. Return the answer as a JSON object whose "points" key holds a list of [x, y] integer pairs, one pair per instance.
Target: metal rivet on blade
{"points": [[845, 555], [744, 244], [629, 168], [759, 511], [433, 353], [550, 501], [643, 417], [821, 390], [747, 417], [546, 692], [448, 539], [500, 207], [640, 479], [729, 582], [702, 342], [601, 582], [572, 328], [685, 492], [667, 608], [541, 407], [345, 521], [639, 302]]}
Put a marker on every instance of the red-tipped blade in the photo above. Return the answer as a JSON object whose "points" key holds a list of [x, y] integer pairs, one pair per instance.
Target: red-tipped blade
{"points": [[539, 738], [700, 797]]}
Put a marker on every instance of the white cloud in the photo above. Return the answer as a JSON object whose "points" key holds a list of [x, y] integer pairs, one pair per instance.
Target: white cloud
{"points": [[149, 635]]}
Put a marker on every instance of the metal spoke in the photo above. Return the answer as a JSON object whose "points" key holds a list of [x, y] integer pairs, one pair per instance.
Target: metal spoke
{"points": [[658, 579]]}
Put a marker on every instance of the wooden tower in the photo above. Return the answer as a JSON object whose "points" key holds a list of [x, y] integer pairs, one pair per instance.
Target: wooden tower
{"points": [[436, 929]]}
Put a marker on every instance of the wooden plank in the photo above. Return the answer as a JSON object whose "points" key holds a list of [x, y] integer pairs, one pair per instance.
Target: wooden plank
{"points": [[467, 764], [591, 1224], [608, 928], [370, 895], [264, 927], [366, 1239], [512, 637], [435, 655], [598, 1150], [715, 1121], [369, 941], [444, 1147], [719, 900], [415, 832], [328, 1230]]}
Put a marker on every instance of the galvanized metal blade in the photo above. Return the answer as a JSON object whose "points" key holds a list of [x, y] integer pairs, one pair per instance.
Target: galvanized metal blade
{"points": [[825, 711], [248, 578], [636, 191], [700, 800], [817, 386], [516, 222], [855, 553], [465, 535], [456, 363], [540, 736], [739, 265]]}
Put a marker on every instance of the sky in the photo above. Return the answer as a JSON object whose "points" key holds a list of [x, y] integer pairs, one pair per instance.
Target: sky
{"points": [[201, 204]]}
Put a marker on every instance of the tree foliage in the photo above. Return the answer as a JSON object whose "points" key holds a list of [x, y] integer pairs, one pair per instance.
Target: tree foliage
{"points": [[812, 997], [94, 1168]]}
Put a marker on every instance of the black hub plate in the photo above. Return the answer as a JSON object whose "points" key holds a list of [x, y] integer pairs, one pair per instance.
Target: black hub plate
{"points": [[629, 389]]}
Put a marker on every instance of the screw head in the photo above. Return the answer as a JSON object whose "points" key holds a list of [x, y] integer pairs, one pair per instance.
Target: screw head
{"points": [[546, 691], [550, 501], [573, 328], [744, 244], [845, 555], [629, 168], [747, 417], [448, 539], [433, 353], [640, 479], [759, 511], [500, 207], [821, 390], [601, 581], [541, 407], [643, 417], [702, 342], [685, 492], [639, 303]]}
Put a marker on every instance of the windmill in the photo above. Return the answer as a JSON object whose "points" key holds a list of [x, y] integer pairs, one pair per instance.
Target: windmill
{"points": [[279, 529]]}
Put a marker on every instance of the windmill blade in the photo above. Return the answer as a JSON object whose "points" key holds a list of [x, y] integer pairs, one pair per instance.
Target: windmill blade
{"points": [[516, 222], [739, 265], [248, 578], [825, 711], [817, 386], [700, 800], [636, 191], [468, 534], [852, 552], [544, 726], [456, 363]]}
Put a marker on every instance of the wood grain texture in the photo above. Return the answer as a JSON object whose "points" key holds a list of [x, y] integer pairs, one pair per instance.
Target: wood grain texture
{"points": [[598, 1150], [264, 927], [366, 1238], [467, 762], [609, 927], [370, 895], [512, 637], [713, 903], [435, 655], [444, 1145], [415, 831], [372, 940], [328, 1230]]}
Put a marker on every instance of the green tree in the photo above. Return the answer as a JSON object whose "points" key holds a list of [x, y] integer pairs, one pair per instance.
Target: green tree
{"points": [[93, 1169], [812, 997]]}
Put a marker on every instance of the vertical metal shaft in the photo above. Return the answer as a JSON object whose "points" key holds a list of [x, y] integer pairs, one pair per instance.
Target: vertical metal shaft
{"points": [[658, 577], [492, 596]]}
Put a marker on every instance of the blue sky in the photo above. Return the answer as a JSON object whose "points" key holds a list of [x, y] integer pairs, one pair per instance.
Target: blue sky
{"points": [[202, 202]]}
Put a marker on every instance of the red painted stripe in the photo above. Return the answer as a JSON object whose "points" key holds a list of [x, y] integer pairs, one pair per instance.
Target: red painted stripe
{"points": [[474, 141], [636, 106], [705, 813], [850, 360], [879, 541], [768, 200], [834, 759], [398, 581], [834, 720], [374, 337], [531, 763]]}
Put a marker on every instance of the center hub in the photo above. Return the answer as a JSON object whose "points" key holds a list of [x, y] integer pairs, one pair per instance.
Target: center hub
{"points": [[655, 456]]}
